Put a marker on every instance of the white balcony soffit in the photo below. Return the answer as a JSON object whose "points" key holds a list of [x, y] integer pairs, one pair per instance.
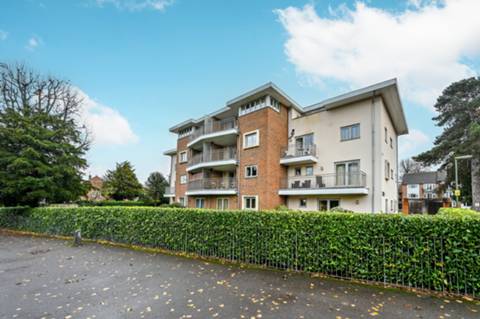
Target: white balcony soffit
{"points": [[211, 192], [213, 135], [307, 159], [325, 191], [219, 164]]}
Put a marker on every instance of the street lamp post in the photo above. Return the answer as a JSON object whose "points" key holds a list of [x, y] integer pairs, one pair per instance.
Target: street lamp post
{"points": [[456, 175]]}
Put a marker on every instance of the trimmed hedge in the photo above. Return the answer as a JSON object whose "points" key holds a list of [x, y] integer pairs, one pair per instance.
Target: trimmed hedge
{"points": [[458, 212], [429, 252], [126, 203]]}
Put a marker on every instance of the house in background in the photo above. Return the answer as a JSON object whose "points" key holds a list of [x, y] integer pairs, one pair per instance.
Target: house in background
{"points": [[263, 150], [95, 191], [424, 192]]}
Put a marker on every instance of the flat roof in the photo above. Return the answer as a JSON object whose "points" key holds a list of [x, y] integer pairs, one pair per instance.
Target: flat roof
{"points": [[387, 89]]}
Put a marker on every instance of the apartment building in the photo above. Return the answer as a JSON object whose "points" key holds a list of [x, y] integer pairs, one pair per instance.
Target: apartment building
{"points": [[424, 192], [263, 150]]}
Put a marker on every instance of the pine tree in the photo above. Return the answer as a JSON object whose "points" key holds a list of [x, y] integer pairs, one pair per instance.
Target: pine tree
{"points": [[42, 144], [155, 185], [122, 183], [459, 115]]}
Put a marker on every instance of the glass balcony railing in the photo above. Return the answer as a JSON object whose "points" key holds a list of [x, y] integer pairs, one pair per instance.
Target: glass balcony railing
{"points": [[325, 181]]}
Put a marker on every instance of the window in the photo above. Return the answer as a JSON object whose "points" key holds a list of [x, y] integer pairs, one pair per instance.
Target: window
{"points": [[250, 202], [391, 173], [413, 191], [304, 145], [251, 139], [200, 202], [327, 204], [298, 171], [251, 171], [274, 104], [348, 174], [183, 179], [183, 157], [303, 203], [222, 203], [350, 132], [386, 135], [387, 169], [181, 201], [309, 170], [391, 142], [253, 106], [185, 132], [386, 205], [391, 205]]}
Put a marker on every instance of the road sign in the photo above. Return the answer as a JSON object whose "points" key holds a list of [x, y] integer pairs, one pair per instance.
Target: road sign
{"points": [[457, 192]]}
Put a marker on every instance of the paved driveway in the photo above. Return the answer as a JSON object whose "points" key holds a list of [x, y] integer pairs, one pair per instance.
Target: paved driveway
{"points": [[46, 278]]}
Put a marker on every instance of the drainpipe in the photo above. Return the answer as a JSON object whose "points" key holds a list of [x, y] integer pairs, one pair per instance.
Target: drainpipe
{"points": [[373, 151]]}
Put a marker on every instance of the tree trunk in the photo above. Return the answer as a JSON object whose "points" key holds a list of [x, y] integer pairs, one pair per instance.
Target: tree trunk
{"points": [[476, 184]]}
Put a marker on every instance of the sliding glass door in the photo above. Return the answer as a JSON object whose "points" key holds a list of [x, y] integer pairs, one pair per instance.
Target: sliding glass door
{"points": [[347, 173]]}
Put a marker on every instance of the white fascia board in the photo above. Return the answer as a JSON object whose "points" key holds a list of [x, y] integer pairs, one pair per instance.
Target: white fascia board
{"points": [[325, 191]]}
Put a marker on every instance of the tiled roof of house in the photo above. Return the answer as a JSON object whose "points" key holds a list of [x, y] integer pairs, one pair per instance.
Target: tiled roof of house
{"points": [[424, 178]]}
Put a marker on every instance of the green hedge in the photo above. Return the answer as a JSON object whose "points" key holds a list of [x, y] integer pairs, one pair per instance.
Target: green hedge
{"points": [[458, 212], [126, 203], [429, 252]]}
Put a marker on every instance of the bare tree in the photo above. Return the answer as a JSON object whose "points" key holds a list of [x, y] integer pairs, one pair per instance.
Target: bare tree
{"points": [[408, 165]]}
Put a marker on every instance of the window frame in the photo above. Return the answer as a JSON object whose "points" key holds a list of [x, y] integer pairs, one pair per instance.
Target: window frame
{"points": [[223, 200], [350, 132], [181, 201], [302, 200], [180, 157], [245, 146], [328, 200], [386, 135], [244, 202], [182, 181], [200, 199], [312, 170], [250, 167], [295, 171]]}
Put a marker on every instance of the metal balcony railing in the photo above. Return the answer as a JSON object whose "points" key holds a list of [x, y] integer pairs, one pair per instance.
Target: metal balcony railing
{"points": [[212, 183], [221, 154], [214, 126], [325, 181], [294, 150]]}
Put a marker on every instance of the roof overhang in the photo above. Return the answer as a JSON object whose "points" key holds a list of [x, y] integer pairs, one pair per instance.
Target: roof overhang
{"points": [[388, 90], [170, 152]]}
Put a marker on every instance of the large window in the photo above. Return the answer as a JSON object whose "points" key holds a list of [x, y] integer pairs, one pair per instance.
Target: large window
{"points": [[222, 203], [251, 139], [200, 202], [350, 132], [348, 173], [387, 169], [327, 204], [250, 202], [181, 201], [302, 203], [183, 157], [251, 171], [309, 170], [304, 145]]}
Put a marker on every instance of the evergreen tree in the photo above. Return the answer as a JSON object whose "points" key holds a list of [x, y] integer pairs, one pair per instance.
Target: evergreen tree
{"points": [[122, 183], [42, 144], [459, 115], [155, 186]]}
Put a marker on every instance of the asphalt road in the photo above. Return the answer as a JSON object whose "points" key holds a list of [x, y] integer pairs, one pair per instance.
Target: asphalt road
{"points": [[46, 278]]}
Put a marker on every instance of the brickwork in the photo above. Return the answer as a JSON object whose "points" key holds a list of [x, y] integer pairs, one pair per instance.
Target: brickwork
{"points": [[273, 130]]}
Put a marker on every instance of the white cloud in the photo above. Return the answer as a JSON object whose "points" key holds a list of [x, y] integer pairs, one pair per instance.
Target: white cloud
{"points": [[106, 125], [425, 47], [137, 5], [412, 143], [3, 35], [33, 43]]}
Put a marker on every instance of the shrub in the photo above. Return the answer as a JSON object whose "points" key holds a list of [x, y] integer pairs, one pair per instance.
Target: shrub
{"points": [[125, 203], [458, 212], [282, 208], [419, 251]]}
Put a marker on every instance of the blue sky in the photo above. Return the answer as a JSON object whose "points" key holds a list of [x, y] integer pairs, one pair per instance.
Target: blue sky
{"points": [[145, 65]]}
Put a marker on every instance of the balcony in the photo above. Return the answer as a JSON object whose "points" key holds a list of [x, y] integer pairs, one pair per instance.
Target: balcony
{"points": [[169, 191], [295, 154], [212, 186], [223, 132], [326, 184], [223, 159]]}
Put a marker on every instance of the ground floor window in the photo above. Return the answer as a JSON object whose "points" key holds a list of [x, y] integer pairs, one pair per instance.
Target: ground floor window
{"points": [[200, 202], [303, 203], [250, 202], [222, 203], [181, 201], [327, 204]]}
